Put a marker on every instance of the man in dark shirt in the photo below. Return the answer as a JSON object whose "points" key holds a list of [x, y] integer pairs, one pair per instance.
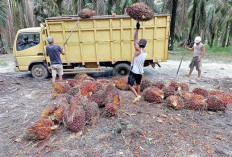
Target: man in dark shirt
{"points": [[54, 51]]}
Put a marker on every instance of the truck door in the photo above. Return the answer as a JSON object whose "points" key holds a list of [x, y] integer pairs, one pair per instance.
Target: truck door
{"points": [[28, 49]]}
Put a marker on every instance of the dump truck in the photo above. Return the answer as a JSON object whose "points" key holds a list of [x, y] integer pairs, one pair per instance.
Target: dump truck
{"points": [[94, 44]]}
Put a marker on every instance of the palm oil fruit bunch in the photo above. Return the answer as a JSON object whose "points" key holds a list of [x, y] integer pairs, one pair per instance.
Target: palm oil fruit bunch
{"points": [[183, 87], [91, 110], [74, 118], [145, 83], [158, 84], [200, 91], [111, 109], [87, 87], [215, 104], [122, 83], [40, 130], [86, 13], [175, 102], [99, 97], [140, 12], [83, 76], [173, 84], [168, 91], [61, 87], [197, 102], [153, 94]]}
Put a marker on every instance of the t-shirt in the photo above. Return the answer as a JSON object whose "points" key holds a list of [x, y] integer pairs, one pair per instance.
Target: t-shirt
{"points": [[53, 52], [138, 63]]}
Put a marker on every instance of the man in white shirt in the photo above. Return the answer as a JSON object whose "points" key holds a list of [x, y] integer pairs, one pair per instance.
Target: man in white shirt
{"points": [[199, 53], [137, 64]]}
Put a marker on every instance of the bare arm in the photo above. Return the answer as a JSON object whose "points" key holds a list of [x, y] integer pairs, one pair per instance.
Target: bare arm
{"points": [[190, 49], [203, 53], [136, 45], [62, 51]]}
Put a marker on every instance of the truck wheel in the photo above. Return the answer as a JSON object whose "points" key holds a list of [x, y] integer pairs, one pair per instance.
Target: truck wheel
{"points": [[121, 70], [39, 71]]}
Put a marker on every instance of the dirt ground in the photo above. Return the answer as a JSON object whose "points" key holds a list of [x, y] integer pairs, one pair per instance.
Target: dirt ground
{"points": [[144, 129]]}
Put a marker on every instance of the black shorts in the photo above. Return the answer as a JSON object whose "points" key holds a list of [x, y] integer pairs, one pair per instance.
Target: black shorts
{"points": [[195, 63], [134, 78]]}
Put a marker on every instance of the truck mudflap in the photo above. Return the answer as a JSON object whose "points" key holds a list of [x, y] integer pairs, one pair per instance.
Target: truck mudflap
{"points": [[156, 63]]}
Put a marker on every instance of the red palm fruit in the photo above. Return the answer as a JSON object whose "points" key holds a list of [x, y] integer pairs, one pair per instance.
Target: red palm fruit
{"points": [[99, 97], [73, 82], [158, 84], [197, 102], [215, 93], [83, 77], [153, 94], [174, 84], [200, 91], [86, 13], [175, 102], [215, 104], [140, 12], [73, 91], [112, 98], [111, 89], [78, 100], [226, 98], [63, 98], [145, 83], [187, 96], [61, 87], [74, 118], [115, 79], [48, 111], [183, 87], [91, 110], [168, 91], [40, 130], [54, 95], [87, 88], [111, 109], [58, 113], [104, 81], [122, 83]]}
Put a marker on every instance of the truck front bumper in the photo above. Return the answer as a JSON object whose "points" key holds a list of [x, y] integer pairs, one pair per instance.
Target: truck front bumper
{"points": [[16, 69]]}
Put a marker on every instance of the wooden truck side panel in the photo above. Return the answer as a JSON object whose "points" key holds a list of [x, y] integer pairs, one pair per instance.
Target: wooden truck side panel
{"points": [[109, 39]]}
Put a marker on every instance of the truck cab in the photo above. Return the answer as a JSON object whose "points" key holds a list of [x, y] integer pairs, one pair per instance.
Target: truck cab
{"points": [[29, 52]]}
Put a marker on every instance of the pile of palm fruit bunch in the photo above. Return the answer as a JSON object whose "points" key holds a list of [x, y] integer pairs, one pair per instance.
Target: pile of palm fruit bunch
{"points": [[178, 96], [86, 13], [140, 12], [76, 103]]}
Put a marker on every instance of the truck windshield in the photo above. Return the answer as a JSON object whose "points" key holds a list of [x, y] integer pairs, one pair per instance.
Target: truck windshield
{"points": [[27, 40]]}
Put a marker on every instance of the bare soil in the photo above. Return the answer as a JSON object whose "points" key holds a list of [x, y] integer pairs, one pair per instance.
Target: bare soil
{"points": [[142, 129]]}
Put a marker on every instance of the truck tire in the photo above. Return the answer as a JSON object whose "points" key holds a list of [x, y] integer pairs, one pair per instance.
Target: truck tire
{"points": [[121, 70], [39, 71]]}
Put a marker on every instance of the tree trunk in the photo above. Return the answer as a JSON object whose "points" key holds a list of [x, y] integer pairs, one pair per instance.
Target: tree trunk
{"points": [[191, 33], [173, 24], [2, 51], [212, 40], [224, 37]]}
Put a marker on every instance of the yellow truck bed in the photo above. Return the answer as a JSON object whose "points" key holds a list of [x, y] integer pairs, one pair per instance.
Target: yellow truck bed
{"points": [[107, 38]]}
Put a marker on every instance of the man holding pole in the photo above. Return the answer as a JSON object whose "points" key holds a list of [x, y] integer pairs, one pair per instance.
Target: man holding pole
{"points": [[54, 51]]}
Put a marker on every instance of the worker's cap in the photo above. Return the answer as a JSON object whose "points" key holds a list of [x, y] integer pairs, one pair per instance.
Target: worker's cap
{"points": [[142, 42], [50, 40], [197, 39]]}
